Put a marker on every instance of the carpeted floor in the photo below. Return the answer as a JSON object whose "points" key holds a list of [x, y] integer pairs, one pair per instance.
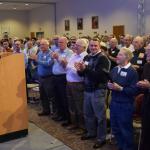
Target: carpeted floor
{"points": [[70, 138]]}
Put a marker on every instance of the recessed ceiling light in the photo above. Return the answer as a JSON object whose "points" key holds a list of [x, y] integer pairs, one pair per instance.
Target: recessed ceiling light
{"points": [[1, 3], [27, 4], [15, 8]]}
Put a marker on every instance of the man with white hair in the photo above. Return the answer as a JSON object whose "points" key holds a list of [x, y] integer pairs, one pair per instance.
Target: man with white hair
{"points": [[45, 63], [139, 58], [75, 84], [61, 57], [128, 42], [31, 65], [113, 52]]}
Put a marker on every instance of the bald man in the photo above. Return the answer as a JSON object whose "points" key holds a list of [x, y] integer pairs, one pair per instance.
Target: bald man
{"points": [[113, 52], [139, 58], [128, 42]]}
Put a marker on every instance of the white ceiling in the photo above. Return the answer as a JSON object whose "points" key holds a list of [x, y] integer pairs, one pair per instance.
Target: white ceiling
{"points": [[21, 4], [31, 1]]}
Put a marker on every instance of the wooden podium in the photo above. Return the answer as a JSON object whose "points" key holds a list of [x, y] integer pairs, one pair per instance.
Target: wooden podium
{"points": [[13, 100]]}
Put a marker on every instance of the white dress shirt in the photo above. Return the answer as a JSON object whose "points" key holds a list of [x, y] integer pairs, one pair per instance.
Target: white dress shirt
{"points": [[72, 75]]}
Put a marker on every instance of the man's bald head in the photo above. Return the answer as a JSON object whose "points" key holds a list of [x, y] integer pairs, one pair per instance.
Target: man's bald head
{"points": [[128, 40], [138, 42], [113, 42], [62, 43], [17, 45]]}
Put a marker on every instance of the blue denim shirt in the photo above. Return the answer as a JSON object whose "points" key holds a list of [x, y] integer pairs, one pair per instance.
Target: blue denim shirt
{"points": [[45, 63]]}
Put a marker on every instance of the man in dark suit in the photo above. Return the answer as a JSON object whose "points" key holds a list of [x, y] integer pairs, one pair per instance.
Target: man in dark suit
{"points": [[139, 57], [113, 52]]}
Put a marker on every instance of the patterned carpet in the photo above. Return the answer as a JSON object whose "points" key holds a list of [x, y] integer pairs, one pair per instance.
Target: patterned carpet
{"points": [[70, 138]]}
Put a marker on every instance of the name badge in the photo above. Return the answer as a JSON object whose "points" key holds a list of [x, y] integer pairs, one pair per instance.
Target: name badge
{"points": [[123, 74], [139, 62], [86, 63], [63, 55], [44, 57]]}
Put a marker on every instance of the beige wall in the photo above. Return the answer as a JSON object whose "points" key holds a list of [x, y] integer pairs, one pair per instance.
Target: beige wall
{"points": [[14, 22], [21, 23], [110, 12], [42, 20]]}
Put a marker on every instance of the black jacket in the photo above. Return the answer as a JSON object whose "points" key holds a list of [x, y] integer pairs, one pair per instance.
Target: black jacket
{"points": [[114, 54], [96, 74], [138, 60]]}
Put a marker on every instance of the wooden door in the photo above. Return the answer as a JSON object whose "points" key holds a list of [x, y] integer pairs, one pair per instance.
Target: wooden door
{"points": [[118, 30], [32, 34]]}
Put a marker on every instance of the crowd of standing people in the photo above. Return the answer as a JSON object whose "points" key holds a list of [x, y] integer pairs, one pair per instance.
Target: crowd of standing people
{"points": [[76, 75]]}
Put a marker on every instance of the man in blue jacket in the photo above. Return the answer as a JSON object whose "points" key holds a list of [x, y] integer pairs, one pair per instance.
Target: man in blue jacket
{"points": [[123, 86]]}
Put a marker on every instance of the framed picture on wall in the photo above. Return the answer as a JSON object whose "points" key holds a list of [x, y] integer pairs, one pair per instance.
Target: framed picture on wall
{"points": [[39, 35], [80, 23], [67, 25], [95, 22]]}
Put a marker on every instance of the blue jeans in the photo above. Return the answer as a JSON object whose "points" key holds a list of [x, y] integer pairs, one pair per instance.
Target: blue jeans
{"points": [[95, 113], [121, 117]]}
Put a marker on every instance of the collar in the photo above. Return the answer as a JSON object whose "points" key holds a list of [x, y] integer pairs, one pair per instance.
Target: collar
{"points": [[83, 54], [64, 51], [126, 66], [96, 53], [45, 51]]}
